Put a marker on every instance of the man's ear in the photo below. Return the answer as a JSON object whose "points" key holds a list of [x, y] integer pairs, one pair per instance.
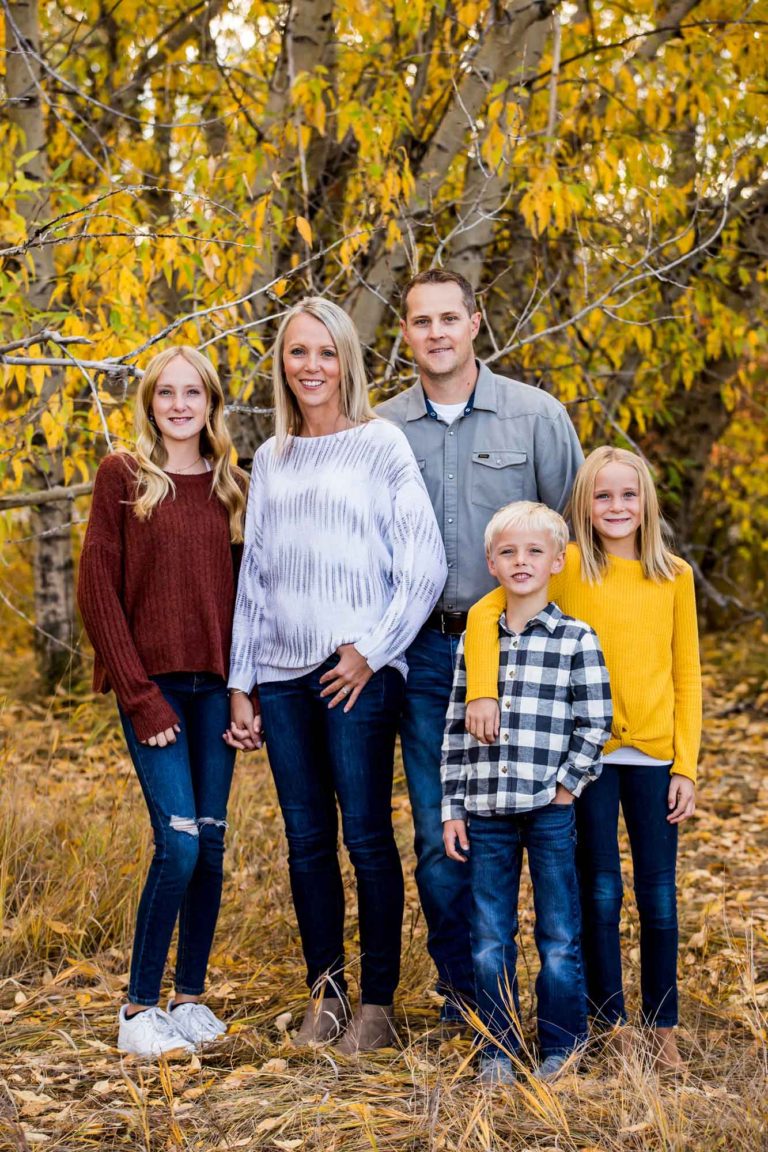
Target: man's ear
{"points": [[558, 563], [476, 320], [403, 329]]}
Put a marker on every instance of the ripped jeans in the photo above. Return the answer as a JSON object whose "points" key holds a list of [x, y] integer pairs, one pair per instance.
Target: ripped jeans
{"points": [[186, 787]]}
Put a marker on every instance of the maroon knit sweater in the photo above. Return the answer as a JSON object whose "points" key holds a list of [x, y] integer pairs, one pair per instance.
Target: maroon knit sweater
{"points": [[155, 595]]}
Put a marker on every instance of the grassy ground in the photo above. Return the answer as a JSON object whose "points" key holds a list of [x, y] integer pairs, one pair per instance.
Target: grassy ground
{"points": [[73, 849]]}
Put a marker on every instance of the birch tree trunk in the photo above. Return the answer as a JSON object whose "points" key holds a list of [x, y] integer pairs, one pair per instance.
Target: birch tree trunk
{"points": [[53, 565]]}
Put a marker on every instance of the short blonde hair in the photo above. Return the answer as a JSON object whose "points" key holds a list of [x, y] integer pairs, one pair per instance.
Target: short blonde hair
{"points": [[658, 562], [527, 514], [355, 403]]}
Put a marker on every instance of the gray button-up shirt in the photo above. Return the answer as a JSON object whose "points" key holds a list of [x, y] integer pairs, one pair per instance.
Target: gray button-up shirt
{"points": [[513, 442]]}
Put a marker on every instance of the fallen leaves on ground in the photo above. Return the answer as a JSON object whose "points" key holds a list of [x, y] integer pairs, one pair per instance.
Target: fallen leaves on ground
{"points": [[74, 844]]}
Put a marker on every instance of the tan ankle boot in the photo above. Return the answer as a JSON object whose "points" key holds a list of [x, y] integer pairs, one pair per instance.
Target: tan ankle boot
{"points": [[668, 1058], [372, 1027], [324, 1020]]}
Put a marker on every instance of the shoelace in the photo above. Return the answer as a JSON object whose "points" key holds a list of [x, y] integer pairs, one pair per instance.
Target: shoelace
{"points": [[163, 1022]]}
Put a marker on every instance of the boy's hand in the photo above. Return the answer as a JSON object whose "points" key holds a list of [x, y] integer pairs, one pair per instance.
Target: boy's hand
{"points": [[681, 799], [453, 831], [562, 795], [482, 719]]}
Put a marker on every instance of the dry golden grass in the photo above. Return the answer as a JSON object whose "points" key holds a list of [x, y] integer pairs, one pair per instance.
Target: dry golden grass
{"points": [[73, 849]]}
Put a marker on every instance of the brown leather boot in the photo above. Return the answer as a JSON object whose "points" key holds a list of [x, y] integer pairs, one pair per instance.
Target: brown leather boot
{"points": [[325, 1019], [372, 1026]]}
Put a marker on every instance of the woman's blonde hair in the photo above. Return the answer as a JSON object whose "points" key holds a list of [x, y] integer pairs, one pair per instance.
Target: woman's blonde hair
{"points": [[152, 483], [355, 404], [658, 562]]}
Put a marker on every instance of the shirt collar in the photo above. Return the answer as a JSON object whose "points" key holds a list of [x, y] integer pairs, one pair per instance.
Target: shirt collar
{"points": [[549, 618], [483, 396]]}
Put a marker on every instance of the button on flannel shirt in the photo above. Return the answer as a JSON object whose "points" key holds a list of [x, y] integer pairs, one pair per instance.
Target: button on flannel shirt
{"points": [[555, 703]]}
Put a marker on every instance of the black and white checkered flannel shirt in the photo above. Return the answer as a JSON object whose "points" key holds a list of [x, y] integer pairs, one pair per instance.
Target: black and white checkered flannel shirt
{"points": [[556, 713]]}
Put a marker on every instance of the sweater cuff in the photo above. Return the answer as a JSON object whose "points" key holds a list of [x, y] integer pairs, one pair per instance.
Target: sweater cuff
{"points": [[686, 770], [152, 717]]}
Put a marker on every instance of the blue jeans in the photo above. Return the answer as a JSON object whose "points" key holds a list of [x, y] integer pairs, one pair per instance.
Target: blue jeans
{"points": [[496, 856], [317, 755], [642, 792], [443, 884], [186, 787]]}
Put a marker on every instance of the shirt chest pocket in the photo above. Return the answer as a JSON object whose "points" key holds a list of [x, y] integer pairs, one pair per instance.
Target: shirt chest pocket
{"points": [[498, 476]]}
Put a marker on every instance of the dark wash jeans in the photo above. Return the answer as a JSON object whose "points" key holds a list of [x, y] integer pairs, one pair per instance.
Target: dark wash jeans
{"points": [[443, 884], [496, 856], [186, 787], [642, 792], [319, 755]]}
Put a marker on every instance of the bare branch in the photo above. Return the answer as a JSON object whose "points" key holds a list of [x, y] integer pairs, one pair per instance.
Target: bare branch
{"points": [[45, 496]]}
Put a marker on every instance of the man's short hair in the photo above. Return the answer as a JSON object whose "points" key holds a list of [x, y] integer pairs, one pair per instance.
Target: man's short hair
{"points": [[440, 276], [527, 514]]}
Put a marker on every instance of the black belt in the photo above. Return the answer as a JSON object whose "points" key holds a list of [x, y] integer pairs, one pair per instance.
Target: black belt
{"points": [[449, 623]]}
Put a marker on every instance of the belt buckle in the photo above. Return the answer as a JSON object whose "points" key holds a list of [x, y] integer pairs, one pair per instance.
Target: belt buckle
{"points": [[442, 624]]}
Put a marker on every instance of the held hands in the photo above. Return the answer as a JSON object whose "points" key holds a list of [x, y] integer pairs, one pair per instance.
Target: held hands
{"points": [[681, 799], [245, 730], [347, 679], [482, 720], [162, 739], [455, 837]]}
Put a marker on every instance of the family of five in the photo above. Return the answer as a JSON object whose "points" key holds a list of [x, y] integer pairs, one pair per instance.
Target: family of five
{"points": [[399, 570]]}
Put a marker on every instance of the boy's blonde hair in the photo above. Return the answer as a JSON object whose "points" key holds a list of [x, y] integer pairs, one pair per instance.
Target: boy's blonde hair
{"points": [[658, 562], [527, 514]]}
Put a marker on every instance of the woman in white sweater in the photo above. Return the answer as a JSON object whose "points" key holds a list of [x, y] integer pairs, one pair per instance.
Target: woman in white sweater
{"points": [[343, 562]]}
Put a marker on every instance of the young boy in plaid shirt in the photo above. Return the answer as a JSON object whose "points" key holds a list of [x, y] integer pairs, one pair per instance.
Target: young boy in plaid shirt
{"points": [[517, 792]]}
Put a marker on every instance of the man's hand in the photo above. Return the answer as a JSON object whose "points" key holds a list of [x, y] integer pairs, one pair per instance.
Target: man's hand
{"points": [[346, 680], [455, 831], [681, 799], [482, 720]]}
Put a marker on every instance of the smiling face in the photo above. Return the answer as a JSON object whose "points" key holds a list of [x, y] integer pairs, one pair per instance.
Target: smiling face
{"points": [[523, 559], [617, 509], [312, 368], [179, 402], [440, 331]]}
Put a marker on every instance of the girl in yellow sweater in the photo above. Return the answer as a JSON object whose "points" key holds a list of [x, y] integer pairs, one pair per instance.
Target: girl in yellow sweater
{"points": [[621, 579]]}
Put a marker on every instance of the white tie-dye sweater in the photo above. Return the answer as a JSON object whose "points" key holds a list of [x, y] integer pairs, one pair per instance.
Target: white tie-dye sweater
{"points": [[341, 547]]}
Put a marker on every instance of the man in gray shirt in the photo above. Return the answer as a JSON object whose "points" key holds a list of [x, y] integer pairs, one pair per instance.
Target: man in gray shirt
{"points": [[481, 441]]}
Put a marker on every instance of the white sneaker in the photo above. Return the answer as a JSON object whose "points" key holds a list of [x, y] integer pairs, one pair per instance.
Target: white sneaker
{"points": [[150, 1033], [196, 1022]]}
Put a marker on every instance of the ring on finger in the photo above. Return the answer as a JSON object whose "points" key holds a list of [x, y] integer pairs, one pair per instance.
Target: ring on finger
{"points": [[345, 690]]}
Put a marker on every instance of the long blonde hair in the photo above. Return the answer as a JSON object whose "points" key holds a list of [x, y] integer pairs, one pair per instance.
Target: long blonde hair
{"points": [[153, 484], [658, 562], [355, 404]]}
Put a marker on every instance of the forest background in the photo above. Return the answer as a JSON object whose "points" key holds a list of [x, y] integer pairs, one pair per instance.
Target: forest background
{"points": [[179, 172]]}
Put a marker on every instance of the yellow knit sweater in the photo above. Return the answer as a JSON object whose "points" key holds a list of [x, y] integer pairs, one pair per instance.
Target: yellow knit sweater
{"points": [[650, 640]]}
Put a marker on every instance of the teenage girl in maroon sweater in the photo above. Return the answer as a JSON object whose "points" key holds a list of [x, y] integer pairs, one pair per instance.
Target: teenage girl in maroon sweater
{"points": [[156, 593]]}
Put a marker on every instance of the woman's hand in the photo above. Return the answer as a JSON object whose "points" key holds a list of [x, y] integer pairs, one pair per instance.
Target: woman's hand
{"points": [[347, 680], [162, 739], [245, 731], [681, 799]]}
